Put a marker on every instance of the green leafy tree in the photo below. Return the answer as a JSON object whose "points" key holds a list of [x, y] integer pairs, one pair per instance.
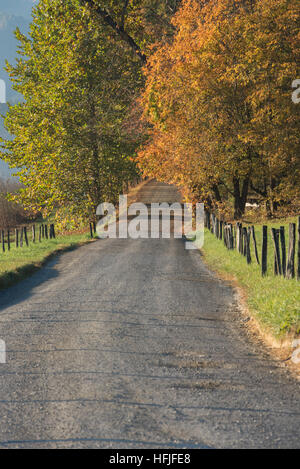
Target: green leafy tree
{"points": [[78, 81], [80, 72]]}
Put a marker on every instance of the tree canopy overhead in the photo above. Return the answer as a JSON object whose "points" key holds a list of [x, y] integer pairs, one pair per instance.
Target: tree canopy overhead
{"points": [[214, 79], [138, 23]]}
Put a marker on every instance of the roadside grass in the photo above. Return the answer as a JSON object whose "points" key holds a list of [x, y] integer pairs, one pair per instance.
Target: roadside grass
{"points": [[274, 301], [19, 262]]}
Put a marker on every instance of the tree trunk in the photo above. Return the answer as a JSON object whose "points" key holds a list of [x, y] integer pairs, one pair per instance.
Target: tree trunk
{"points": [[240, 196], [216, 192]]}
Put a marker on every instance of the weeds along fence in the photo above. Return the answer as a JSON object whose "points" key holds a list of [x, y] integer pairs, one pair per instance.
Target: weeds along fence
{"points": [[243, 239], [22, 236]]}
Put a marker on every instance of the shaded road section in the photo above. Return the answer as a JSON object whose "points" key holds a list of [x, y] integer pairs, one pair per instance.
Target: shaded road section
{"points": [[136, 344]]}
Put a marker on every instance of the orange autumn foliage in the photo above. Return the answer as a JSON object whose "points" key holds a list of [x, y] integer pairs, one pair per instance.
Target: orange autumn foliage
{"points": [[218, 101]]}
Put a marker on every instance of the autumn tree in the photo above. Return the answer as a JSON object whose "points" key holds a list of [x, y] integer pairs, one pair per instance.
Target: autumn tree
{"points": [[272, 57], [214, 128]]}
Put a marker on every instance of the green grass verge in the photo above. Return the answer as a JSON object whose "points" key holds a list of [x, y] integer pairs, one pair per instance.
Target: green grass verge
{"points": [[273, 301], [19, 262]]}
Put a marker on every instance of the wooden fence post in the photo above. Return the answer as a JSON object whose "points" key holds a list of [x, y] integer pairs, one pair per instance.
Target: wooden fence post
{"points": [[33, 233], [241, 235], [46, 231], [245, 237], [25, 235], [51, 231], [283, 250], [40, 233], [8, 240], [226, 235], [17, 237], [21, 237], [238, 239], [231, 237], [264, 254], [3, 240], [241, 238], [248, 250], [298, 267], [91, 230], [277, 262], [255, 244], [290, 271]]}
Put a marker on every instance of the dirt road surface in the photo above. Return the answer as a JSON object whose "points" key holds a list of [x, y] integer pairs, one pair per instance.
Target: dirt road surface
{"points": [[135, 344]]}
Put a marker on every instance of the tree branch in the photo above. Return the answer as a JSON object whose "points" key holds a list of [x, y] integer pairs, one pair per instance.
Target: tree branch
{"points": [[262, 193], [123, 14], [226, 187], [119, 29]]}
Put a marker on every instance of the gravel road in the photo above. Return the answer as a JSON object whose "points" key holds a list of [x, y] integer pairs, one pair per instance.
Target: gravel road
{"points": [[136, 344]]}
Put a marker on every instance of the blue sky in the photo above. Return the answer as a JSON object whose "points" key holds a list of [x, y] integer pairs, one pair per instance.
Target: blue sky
{"points": [[16, 7], [12, 13]]}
